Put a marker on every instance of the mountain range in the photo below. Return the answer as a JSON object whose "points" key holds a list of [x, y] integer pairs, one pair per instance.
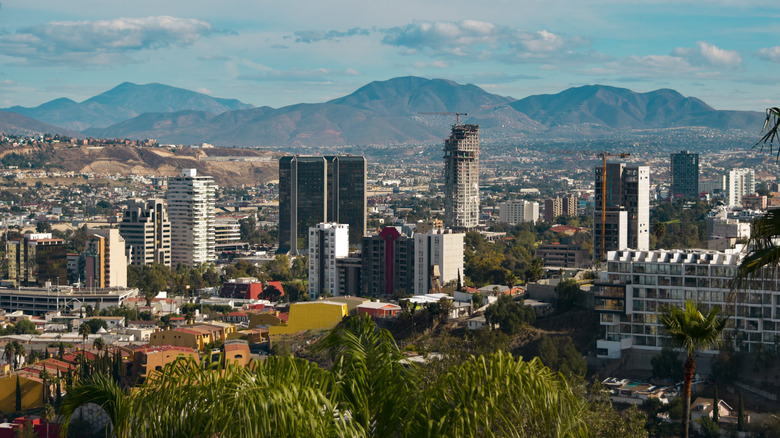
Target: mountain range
{"points": [[404, 110]]}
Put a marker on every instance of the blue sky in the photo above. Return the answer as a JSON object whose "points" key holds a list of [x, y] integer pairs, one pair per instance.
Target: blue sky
{"points": [[278, 53]]}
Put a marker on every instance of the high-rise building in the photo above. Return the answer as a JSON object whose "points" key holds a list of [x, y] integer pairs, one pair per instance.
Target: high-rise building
{"points": [[739, 182], [387, 263], [461, 178], [438, 259], [227, 233], [104, 263], [685, 175], [569, 205], [627, 216], [147, 232], [320, 189], [518, 211], [328, 242], [552, 209], [191, 201], [37, 259]]}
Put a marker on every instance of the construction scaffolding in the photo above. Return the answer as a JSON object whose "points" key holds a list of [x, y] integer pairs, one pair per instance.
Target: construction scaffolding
{"points": [[461, 178]]}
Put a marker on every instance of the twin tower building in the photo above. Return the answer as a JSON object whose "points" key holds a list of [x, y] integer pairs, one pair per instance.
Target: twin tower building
{"points": [[322, 212]]}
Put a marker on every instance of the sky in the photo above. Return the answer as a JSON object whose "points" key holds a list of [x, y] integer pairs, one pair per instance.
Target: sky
{"points": [[277, 53]]}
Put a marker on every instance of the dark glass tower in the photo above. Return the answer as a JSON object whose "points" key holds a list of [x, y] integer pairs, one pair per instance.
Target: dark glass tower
{"points": [[685, 175], [320, 189]]}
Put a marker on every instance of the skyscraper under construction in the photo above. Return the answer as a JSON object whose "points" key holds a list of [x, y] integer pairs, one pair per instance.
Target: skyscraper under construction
{"points": [[461, 178]]}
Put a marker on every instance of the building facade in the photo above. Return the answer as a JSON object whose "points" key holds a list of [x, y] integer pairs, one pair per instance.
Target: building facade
{"points": [[104, 262], [461, 178], [685, 175], [627, 193], [313, 190], [147, 232], [518, 211], [438, 259], [387, 263], [563, 256], [552, 209], [739, 182], [637, 284], [327, 243], [191, 200], [37, 259]]}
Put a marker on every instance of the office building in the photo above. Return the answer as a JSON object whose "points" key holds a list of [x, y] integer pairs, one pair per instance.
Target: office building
{"points": [[37, 259], [387, 263], [147, 232], [625, 223], [563, 256], [685, 175], [104, 263], [227, 234], [638, 284], [327, 243], [739, 182], [461, 178], [313, 190], [438, 260], [191, 201], [518, 211]]}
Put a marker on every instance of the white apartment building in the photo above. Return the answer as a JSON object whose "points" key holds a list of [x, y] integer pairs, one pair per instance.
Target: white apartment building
{"points": [[437, 252], [517, 211], [637, 284], [191, 211], [327, 243], [739, 182]]}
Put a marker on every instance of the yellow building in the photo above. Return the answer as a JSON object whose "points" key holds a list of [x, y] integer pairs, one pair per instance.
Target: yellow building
{"points": [[315, 315], [265, 318], [32, 393], [193, 336]]}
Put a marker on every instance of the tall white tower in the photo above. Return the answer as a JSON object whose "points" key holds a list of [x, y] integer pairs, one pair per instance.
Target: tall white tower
{"points": [[461, 178], [739, 182], [191, 212]]}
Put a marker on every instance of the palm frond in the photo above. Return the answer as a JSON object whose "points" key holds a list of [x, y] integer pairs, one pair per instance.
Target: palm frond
{"points": [[772, 131]]}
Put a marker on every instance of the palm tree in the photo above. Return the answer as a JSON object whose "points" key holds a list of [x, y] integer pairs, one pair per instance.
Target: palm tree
{"points": [[21, 352], [48, 415], [98, 344], [10, 353], [367, 393], [84, 332], [692, 331], [762, 250]]}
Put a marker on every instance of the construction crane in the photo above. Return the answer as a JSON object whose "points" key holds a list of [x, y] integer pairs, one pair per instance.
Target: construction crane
{"points": [[603, 156], [457, 115]]}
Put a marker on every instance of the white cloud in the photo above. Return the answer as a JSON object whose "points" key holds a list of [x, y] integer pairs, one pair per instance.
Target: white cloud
{"points": [[92, 41], [482, 41], [705, 53], [770, 53]]}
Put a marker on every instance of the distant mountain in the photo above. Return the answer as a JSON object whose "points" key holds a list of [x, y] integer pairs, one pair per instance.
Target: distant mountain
{"points": [[17, 124], [400, 111], [621, 109], [124, 102], [382, 112]]}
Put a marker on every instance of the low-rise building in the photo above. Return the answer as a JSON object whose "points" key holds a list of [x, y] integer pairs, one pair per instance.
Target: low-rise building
{"points": [[147, 359], [379, 310]]}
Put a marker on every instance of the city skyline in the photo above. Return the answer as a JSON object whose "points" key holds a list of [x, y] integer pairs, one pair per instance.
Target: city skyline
{"points": [[277, 55]]}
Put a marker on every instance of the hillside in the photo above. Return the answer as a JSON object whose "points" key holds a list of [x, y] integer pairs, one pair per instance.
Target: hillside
{"points": [[17, 124], [229, 167], [124, 102]]}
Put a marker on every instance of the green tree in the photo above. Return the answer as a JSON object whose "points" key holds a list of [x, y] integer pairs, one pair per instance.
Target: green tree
{"points": [[509, 315], [716, 407], [10, 353], [48, 415], [568, 293], [96, 324], [18, 394], [560, 354], [667, 365], [692, 331], [99, 344], [741, 413]]}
